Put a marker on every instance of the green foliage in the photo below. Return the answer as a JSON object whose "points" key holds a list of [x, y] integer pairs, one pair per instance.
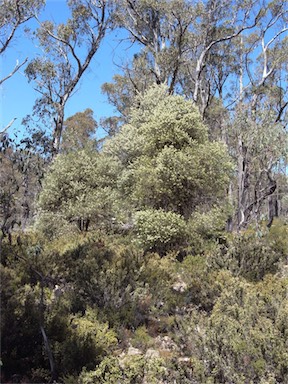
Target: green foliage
{"points": [[133, 369], [129, 248], [21, 339], [78, 131], [77, 189], [167, 120], [158, 230], [254, 336], [244, 339], [141, 338], [224, 327], [113, 276], [165, 157], [87, 341], [252, 254], [202, 288], [209, 224]]}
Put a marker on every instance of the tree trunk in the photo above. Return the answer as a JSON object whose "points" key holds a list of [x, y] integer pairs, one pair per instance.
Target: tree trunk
{"points": [[49, 354], [58, 130], [242, 183]]}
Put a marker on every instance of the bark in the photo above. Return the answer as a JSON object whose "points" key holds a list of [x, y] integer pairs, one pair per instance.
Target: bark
{"points": [[242, 182], [49, 354], [66, 82], [15, 69]]}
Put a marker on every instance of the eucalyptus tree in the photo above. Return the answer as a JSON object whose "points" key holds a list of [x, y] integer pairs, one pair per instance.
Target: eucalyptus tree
{"points": [[184, 42], [122, 92], [79, 132], [259, 147], [196, 47], [160, 30], [251, 44], [160, 27], [68, 50], [14, 13], [263, 96]]}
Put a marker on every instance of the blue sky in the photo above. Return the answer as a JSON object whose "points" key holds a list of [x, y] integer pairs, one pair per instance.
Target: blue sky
{"points": [[18, 96]]}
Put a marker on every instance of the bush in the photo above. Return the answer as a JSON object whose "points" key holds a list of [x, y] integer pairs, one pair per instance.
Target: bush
{"points": [[244, 339], [251, 254], [160, 231], [87, 342], [132, 369], [206, 228]]}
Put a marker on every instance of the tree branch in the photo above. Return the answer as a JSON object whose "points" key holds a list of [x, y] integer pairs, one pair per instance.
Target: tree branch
{"points": [[8, 126], [17, 67]]}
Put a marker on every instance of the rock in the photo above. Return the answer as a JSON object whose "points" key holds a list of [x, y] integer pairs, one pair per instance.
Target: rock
{"points": [[166, 343], [133, 351], [180, 285], [152, 353], [184, 360]]}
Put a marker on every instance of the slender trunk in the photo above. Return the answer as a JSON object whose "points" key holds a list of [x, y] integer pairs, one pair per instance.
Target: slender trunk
{"points": [[241, 70], [25, 203], [229, 225], [1, 239], [243, 182], [49, 354], [58, 130], [44, 335]]}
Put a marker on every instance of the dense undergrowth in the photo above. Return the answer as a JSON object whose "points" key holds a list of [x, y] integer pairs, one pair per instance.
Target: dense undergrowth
{"points": [[211, 311]]}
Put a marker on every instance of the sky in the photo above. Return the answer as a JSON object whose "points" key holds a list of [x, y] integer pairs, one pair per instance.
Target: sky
{"points": [[17, 96]]}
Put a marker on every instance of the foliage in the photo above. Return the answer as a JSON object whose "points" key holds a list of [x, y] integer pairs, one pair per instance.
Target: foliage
{"points": [[225, 328], [13, 14], [78, 131], [167, 161], [207, 227], [141, 338], [202, 289], [20, 172], [244, 338], [86, 342], [252, 254], [158, 254], [158, 230], [134, 369], [66, 58], [76, 190], [20, 324]]}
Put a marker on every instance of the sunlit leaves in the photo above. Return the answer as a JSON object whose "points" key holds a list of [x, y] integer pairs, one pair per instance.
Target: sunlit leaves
{"points": [[167, 160]]}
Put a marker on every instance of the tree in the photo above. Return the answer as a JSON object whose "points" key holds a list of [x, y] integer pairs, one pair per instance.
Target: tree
{"points": [[10, 181], [77, 191], [78, 131], [58, 72], [124, 89], [21, 171], [258, 154], [199, 50], [263, 124], [160, 27], [165, 157], [13, 14]]}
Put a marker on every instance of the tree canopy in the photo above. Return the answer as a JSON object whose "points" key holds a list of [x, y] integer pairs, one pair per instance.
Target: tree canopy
{"points": [[149, 245]]}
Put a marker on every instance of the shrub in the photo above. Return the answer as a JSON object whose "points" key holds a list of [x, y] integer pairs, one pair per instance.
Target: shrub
{"points": [[132, 369], [251, 254], [160, 231]]}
